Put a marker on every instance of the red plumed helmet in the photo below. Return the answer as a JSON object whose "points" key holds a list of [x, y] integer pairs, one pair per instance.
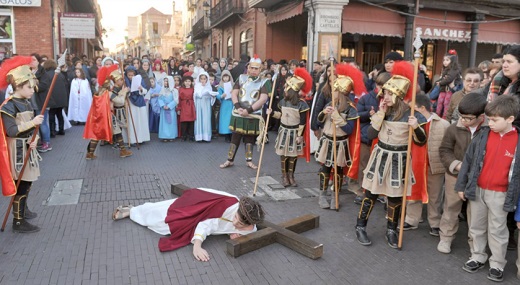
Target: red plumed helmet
{"points": [[405, 69], [307, 78], [10, 64], [355, 75], [104, 73]]}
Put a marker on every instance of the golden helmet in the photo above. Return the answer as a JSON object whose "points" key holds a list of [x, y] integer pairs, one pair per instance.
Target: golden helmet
{"points": [[22, 74], [398, 85]]}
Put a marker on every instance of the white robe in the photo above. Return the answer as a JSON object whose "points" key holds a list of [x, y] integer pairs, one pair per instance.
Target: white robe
{"points": [[152, 216], [140, 118], [80, 99]]}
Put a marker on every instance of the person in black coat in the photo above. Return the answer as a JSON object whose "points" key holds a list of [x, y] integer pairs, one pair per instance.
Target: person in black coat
{"points": [[59, 97]]}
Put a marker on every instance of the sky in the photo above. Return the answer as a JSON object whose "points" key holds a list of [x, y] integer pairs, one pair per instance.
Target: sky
{"points": [[116, 12]]}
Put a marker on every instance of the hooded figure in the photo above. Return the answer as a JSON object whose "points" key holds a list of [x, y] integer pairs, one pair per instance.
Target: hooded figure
{"points": [[204, 99], [226, 104], [168, 101]]}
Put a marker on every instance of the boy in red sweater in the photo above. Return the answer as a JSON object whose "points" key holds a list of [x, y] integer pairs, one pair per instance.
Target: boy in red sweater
{"points": [[490, 179]]}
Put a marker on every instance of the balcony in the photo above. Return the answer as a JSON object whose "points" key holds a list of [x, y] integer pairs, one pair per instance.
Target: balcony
{"points": [[263, 3], [226, 9], [200, 29]]}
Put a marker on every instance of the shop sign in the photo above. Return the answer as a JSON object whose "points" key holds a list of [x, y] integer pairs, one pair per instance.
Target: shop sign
{"points": [[78, 26], [329, 23], [22, 3], [446, 34]]}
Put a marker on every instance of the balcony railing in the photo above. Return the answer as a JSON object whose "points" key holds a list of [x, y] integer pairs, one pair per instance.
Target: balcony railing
{"points": [[226, 9], [201, 28]]}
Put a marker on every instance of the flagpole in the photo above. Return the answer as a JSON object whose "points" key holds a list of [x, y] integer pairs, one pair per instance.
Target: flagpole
{"points": [[417, 44]]}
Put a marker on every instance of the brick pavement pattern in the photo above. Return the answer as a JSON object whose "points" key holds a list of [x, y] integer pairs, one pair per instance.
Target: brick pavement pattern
{"points": [[80, 244]]}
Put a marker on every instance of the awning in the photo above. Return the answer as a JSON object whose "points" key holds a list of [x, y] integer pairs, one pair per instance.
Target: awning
{"points": [[283, 13], [506, 33], [368, 20]]}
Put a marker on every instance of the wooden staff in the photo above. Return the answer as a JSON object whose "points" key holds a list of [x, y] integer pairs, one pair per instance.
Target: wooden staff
{"points": [[264, 135], [129, 112], [61, 62], [417, 44], [334, 151]]}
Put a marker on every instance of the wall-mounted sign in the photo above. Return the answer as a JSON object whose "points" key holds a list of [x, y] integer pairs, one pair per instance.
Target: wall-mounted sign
{"points": [[328, 22], [78, 26], [23, 3], [443, 34]]}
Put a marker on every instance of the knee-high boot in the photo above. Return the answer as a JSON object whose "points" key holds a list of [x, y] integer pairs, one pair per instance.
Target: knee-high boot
{"points": [[20, 225], [28, 214], [90, 149], [393, 212], [123, 152], [324, 197], [339, 178], [285, 178], [291, 169], [364, 212]]}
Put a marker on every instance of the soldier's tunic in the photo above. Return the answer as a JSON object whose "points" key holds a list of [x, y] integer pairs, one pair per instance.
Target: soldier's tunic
{"points": [[17, 114], [250, 89], [292, 120], [385, 171], [325, 154], [119, 119]]}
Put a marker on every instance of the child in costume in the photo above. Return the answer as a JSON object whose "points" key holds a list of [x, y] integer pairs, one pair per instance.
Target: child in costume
{"points": [[226, 105], [293, 117], [341, 115], [80, 98], [204, 99], [168, 100], [385, 171], [18, 122], [186, 108]]}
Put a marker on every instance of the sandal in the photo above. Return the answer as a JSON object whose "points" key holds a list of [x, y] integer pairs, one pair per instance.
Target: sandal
{"points": [[121, 212], [226, 164], [251, 165]]}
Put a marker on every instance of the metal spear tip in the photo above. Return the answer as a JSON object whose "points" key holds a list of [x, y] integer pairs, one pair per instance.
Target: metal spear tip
{"points": [[417, 43], [61, 61]]}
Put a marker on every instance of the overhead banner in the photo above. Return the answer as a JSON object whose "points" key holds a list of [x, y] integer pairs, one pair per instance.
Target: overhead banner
{"points": [[21, 3], [78, 25]]}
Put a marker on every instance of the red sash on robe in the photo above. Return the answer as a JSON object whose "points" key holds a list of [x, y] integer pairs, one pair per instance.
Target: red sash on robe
{"points": [[8, 186], [99, 120], [193, 207], [420, 170], [307, 140]]}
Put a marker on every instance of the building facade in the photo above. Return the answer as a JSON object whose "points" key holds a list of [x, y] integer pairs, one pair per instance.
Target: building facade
{"points": [[34, 26], [359, 29], [154, 32]]}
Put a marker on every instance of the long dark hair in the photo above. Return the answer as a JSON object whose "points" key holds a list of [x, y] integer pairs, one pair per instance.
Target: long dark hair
{"points": [[398, 110]]}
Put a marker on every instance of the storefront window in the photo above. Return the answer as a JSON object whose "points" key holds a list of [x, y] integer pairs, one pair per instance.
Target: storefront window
{"points": [[6, 34], [246, 42], [372, 55]]}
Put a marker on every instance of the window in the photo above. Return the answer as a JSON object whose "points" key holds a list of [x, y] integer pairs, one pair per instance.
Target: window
{"points": [[155, 28], [246, 42], [230, 47], [6, 34]]}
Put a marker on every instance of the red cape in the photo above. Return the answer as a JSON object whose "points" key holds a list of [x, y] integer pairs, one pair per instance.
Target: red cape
{"points": [[420, 170], [193, 207], [99, 120], [8, 186], [307, 136], [354, 143]]}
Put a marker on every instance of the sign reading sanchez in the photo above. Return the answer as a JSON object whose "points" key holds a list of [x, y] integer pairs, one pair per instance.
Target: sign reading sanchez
{"points": [[23, 3]]}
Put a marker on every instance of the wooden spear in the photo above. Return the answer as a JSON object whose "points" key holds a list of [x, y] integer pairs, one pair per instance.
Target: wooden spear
{"points": [[61, 62], [264, 135], [127, 101], [417, 44]]}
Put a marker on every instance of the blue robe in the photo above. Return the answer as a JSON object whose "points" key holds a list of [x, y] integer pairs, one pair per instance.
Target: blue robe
{"points": [[203, 103], [168, 118], [226, 107], [154, 111]]}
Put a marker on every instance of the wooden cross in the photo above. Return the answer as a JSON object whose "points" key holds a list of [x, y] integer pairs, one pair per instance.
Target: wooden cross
{"points": [[286, 233]]}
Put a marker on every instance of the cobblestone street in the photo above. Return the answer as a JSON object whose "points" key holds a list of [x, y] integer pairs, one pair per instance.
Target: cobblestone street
{"points": [[80, 244]]}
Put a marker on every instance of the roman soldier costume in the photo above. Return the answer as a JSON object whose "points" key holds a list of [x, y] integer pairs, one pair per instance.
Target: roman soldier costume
{"points": [[293, 116], [345, 120], [247, 128], [385, 171], [16, 131], [101, 123]]}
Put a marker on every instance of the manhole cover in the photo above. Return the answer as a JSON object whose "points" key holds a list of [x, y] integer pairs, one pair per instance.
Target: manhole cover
{"points": [[65, 192]]}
